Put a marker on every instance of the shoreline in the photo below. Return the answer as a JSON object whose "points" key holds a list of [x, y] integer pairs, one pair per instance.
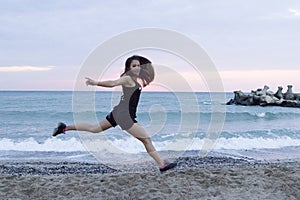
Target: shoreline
{"points": [[41, 168], [193, 178]]}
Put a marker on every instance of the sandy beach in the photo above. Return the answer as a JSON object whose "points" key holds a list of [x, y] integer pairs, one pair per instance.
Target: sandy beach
{"points": [[194, 178]]}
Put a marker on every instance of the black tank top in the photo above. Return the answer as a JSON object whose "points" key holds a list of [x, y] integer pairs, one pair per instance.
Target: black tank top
{"points": [[130, 99]]}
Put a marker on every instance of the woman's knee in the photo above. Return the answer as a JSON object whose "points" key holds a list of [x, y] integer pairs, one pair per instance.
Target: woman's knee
{"points": [[95, 129], [146, 141]]}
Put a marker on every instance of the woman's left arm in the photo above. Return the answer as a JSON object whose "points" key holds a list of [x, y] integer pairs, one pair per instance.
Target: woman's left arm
{"points": [[110, 83]]}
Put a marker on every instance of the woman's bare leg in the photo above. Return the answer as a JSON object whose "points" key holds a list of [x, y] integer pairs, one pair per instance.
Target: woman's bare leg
{"points": [[93, 128], [137, 131]]}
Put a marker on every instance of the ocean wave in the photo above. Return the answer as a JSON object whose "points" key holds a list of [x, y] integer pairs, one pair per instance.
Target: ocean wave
{"points": [[44, 115], [270, 133], [132, 145], [242, 116], [173, 111], [51, 144], [229, 116]]}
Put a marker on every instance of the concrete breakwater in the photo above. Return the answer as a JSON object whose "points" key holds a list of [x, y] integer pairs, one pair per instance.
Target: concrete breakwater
{"points": [[265, 97]]}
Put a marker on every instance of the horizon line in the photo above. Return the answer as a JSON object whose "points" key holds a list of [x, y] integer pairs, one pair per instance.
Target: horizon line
{"points": [[145, 91]]}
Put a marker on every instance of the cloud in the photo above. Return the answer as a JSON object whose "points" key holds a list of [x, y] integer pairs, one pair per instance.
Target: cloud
{"points": [[295, 12], [290, 13], [24, 68]]}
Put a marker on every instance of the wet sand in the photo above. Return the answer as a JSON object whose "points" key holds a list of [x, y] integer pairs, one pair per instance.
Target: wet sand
{"points": [[194, 178]]}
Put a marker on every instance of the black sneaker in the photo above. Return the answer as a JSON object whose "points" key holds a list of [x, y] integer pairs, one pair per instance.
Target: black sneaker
{"points": [[61, 128], [168, 166]]}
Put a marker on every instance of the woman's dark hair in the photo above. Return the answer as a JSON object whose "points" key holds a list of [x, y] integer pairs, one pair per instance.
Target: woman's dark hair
{"points": [[146, 72]]}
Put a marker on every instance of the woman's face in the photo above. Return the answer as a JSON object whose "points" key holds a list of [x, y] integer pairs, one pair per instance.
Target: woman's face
{"points": [[135, 67]]}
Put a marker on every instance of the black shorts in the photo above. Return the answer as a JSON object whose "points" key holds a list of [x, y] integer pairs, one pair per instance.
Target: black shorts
{"points": [[123, 119]]}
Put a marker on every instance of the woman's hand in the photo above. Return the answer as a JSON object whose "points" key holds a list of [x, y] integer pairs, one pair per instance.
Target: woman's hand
{"points": [[90, 81]]}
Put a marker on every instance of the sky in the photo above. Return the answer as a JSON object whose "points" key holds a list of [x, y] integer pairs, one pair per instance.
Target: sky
{"points": [[43, 44]]}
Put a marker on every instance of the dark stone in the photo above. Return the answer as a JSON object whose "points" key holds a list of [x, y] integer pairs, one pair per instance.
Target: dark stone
{"points": [[289, 95], [279, 93], [263, 97]]}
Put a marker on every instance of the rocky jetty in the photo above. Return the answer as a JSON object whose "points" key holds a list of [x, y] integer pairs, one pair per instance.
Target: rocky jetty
{"points": [[264, 97]]}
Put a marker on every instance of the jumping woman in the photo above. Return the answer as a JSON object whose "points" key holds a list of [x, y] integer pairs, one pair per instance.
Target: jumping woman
{"points": [[124, 114]]}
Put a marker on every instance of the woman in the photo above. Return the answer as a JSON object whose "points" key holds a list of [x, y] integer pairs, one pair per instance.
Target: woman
{"points": [[124, 114]]}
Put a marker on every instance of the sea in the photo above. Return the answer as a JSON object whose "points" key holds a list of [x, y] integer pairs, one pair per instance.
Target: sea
{"points": [[176, 122]]}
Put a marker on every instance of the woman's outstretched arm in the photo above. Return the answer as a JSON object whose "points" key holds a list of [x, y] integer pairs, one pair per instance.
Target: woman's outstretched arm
{"points": [[124, 80]]}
